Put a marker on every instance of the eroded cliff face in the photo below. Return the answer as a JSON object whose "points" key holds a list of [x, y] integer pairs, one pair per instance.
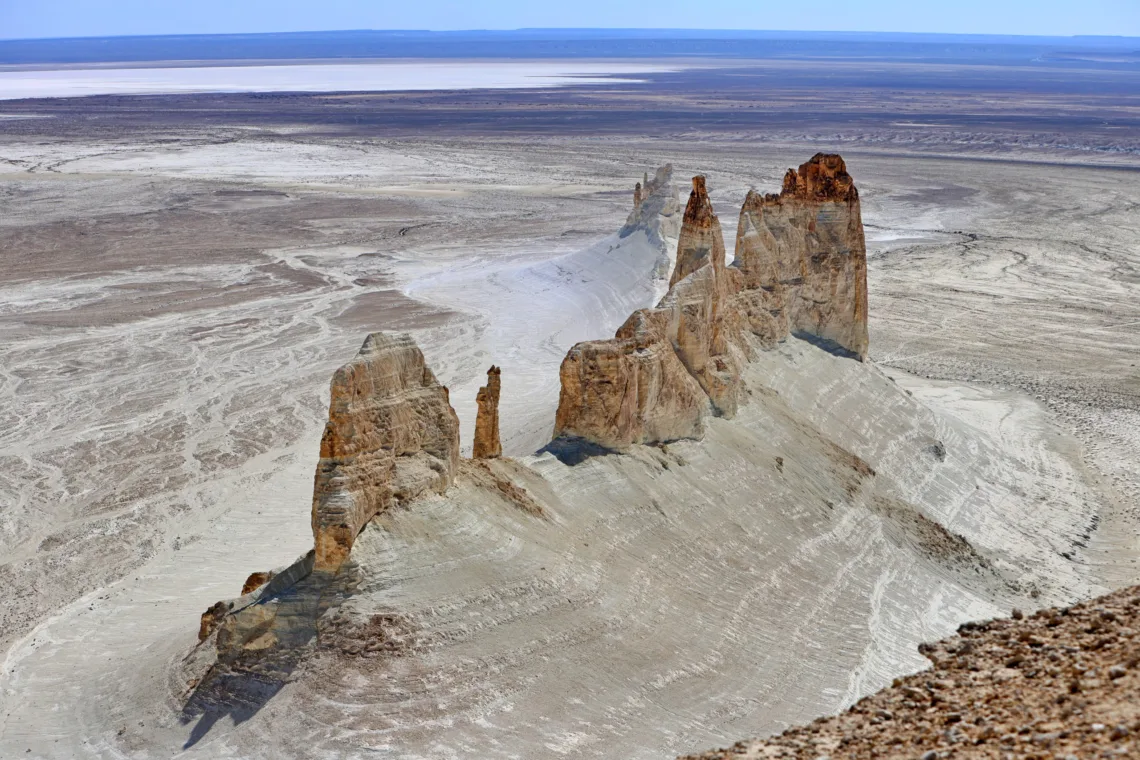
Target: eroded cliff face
{"points": [[668, 367], [391, 436], [800, 268], [806, 250], [487, 442]]}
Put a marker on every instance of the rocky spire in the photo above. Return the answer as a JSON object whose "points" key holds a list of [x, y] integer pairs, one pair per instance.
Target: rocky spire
{"points": [[637, 196], [701, 241], [391, 436], [487, 444]]}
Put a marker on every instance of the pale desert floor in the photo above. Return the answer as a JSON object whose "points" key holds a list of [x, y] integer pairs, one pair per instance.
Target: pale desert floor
{"points": [[171, 311], [403, 76]]}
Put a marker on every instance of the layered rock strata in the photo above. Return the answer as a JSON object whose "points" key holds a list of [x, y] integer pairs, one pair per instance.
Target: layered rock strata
{"points": [[800, 268], [487, 443], [391, 436]]}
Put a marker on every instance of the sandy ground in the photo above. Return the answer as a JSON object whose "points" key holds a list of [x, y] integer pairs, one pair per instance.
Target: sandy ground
{"points": [[171, 313]]}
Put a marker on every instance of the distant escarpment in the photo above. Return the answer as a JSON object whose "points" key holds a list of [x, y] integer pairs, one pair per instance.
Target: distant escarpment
{"points": [[656, 212], [800, 268]]}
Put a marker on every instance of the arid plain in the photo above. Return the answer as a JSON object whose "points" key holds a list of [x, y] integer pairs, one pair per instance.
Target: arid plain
{"points": [[182, 274]]}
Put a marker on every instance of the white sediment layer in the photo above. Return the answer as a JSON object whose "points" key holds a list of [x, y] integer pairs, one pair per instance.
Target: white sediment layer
{"points": [[328, 77], [671, 598]]}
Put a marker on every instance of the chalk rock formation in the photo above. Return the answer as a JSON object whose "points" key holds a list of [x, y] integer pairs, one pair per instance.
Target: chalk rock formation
{"points": [[805, 248], [800, 268], [391, 436], [487, 443]]}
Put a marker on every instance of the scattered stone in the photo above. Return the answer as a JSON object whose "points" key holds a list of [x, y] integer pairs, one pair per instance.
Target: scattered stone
{"points": [[1063, 711]]}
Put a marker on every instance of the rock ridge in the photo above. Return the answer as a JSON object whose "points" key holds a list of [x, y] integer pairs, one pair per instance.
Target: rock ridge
{"points": [[656, 212], [392, 436], [800, 269]]}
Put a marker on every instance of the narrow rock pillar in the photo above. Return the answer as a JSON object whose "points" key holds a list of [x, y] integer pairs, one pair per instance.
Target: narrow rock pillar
{"points": [[487, 444]]}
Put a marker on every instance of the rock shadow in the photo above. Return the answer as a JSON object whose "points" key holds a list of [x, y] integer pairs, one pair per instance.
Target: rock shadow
{"points": [[827, 345], [240, 695], [240, 675], [572, 451]]}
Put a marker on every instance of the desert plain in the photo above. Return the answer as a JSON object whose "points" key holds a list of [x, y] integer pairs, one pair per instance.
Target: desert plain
{"points": [[183, 273]]}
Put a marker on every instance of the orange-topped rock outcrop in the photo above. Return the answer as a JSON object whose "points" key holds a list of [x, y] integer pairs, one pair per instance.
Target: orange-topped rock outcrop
{"points": [[805, 248], [392, 436]]}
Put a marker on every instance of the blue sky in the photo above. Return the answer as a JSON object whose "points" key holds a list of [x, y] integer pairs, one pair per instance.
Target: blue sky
{"points": [[83, 18]]}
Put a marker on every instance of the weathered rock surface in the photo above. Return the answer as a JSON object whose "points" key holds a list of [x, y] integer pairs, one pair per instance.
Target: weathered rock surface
{"points": [[255, 581], [391, 436], [800, 268], [487, 443], [805, 250], [652, 381], [1061, 683]]}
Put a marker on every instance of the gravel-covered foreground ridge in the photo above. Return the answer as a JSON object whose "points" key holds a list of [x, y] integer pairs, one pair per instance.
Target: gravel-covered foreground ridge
{"points": [[1061, 683]]}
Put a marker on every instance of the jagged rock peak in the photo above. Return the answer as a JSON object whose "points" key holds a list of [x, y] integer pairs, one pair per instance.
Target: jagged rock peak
{"points": [[823, 178], [391, 436], [701, 241], [805, 248], [637, 196], [699, 211], [487, 444]]}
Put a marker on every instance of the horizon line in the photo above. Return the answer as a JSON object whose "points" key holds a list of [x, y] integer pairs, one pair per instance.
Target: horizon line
{"points": [[609, 30]]}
